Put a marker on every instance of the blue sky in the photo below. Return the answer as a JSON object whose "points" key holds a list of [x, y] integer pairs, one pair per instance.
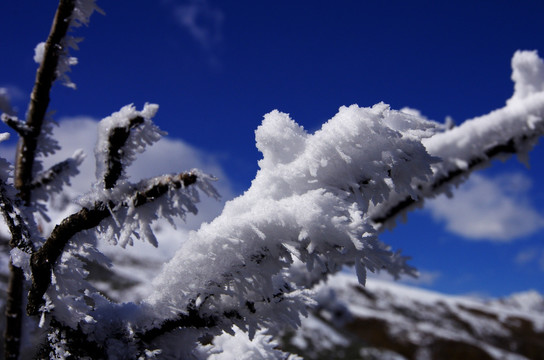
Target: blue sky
{"points": [[216, 67]]}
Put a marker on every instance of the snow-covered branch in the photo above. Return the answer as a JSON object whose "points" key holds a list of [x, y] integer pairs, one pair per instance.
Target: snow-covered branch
{"points": [[116, 140], [513, 129], [309, 201], [54, 60], [13, 122], [39, 100], [17, 225], [317, 197], [43, 260], [57, 176]]}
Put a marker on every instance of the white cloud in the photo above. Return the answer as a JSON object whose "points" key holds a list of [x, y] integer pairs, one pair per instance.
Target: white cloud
{"points": [[424, 278], [5, 103], [203, 21], [531, 256], [489, 209], [527, 256], [9, 94]]}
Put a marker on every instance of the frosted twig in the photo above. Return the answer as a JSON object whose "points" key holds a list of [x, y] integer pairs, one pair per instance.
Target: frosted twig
{"points": [[57, 171], [45, 258], [19, 239], [117, 139], [13, 122], [451, 174], [39, 99]]}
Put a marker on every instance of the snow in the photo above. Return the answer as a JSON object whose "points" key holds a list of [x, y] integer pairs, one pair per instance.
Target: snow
{"points": [[239, 346], [416, 314], [39, 52], [310, 194], [527, 74], [325, 335]]}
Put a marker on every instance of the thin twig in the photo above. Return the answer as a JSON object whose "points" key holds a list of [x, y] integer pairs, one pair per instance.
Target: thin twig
{"points": [[54, 173]]}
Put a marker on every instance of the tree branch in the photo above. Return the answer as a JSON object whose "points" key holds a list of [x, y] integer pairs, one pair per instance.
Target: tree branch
{"points": [[441, 182], [54, 172], [39, 99], [43, 260], [26, 154], [190, 320], [75, 340], [16, 124], [13, 312], [117, 140], [20, 236], [489, 147]]}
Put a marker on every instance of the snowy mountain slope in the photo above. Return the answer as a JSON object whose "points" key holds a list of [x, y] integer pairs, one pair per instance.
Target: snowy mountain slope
{"points": [[391, 321]]}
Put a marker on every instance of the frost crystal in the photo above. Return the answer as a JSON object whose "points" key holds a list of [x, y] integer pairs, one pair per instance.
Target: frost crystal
{"points": [[57, 340], [83, 11], [53, 179]]}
